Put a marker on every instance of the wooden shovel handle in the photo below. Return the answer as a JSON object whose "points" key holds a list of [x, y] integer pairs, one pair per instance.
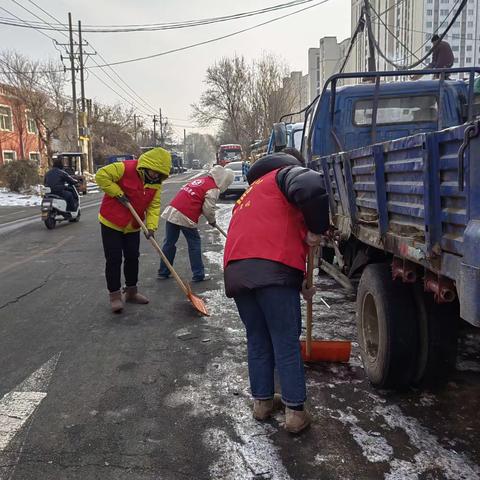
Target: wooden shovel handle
{"points": [[158, 249], [310, 268]]}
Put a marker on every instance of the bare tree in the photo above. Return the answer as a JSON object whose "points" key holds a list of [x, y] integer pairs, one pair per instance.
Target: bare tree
{"points": [[40, 86], [245, 99], [224, 100]]}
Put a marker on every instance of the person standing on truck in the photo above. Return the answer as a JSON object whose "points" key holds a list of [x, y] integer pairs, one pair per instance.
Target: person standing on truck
{"points": [[442, 57], [284, 211], [57, 179], [194, 199], [138, 182]]}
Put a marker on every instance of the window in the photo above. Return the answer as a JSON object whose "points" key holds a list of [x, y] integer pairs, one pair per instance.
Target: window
{"points": [[429, 24], [429, 13], [31, 125], [469, 48], [6, 118], [397, 110], [468, 60], [9, 156], [35, 157]]}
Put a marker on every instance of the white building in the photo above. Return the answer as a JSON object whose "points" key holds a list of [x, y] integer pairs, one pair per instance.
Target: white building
{"points": [[403, 31]]}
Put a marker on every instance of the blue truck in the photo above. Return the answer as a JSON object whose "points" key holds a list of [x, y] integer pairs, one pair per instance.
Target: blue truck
{"points": [[401, 166]]}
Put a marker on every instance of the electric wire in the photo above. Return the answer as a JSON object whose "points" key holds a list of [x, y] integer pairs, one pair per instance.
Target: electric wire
{"points": [[175, 25]]}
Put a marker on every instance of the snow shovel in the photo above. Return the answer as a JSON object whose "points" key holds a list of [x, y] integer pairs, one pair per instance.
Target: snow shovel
{"points": [[197, 302], [221, 230], [320, 350]]}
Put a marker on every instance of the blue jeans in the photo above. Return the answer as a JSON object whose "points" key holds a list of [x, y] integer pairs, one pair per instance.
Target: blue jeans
{"points": [[172, 232], [273, 321]]}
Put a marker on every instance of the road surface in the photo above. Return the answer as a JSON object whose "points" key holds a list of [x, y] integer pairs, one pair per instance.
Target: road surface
{"points": [[161, 393]]}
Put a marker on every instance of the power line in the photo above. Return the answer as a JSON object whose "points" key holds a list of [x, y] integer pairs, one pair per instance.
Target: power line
{"points": [[176, 25], [216, 39], [145, 103], [96, 76]]}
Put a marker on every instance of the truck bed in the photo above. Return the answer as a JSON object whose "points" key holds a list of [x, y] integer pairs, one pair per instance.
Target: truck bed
{"points": [[403, 197]]}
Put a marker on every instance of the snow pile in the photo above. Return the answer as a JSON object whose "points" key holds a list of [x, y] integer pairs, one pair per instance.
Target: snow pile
{"points": [[12, 199]]}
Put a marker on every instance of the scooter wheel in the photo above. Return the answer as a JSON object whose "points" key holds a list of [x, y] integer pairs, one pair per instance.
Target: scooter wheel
{"points": [[50, 223]]}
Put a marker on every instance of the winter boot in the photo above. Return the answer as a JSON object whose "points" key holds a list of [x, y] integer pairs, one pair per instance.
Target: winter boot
{"points": [[132, 296], [296, 420], [116, 301], [263, 409]]}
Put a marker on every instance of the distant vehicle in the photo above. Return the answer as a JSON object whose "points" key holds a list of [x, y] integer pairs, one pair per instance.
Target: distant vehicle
{"points": [[120, 158], [73, 165], [294, 136], [258, 150], [229, 153], [239, 184], [54, 208], [196, 164]]}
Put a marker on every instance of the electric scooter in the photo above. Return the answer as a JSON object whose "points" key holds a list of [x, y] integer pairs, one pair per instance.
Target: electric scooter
{"points": [[54, 208]]}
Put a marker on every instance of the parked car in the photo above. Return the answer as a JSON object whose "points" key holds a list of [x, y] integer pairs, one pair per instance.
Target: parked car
{"points": [[239, 184]]}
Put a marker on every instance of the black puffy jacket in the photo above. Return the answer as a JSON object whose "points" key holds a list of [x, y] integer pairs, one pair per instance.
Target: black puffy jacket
{"points": [[303, 188], [56, 179]]}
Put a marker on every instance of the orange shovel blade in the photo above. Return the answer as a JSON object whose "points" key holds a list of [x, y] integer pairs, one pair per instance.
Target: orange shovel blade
{"points": [[197, 302], [327, 351]]}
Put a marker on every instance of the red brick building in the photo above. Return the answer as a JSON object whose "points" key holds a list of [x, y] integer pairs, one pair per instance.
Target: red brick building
{"points": [[19, 138]]}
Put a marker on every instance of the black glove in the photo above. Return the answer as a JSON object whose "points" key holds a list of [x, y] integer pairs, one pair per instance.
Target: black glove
{"points": [[123, 200], [212, 224], [150, 234]]}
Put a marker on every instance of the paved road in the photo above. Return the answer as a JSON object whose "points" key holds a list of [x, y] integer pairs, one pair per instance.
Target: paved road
{"points": [[160, 393]]}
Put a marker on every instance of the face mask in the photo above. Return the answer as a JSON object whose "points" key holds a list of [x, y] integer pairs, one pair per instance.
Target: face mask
{"points": [[152, 180]]}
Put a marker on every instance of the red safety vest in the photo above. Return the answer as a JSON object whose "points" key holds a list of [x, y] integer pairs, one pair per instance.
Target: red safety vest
{"points": [[134, 189], [189, 200], [265, 225]]}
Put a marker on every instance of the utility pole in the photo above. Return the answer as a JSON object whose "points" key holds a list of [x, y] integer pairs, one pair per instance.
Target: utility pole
{"points": [[154, 130], [72, 70], [184, 146], [90, 137], [372, 64], [161, 127], [84, 135], [135, 126]]}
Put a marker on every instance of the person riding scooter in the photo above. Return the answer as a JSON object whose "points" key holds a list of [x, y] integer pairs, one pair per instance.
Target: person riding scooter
{"points": [[56, 178]]}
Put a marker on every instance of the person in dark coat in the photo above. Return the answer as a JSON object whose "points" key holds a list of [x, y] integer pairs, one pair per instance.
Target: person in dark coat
{"points": [[274, 222], [442, 54], [56, 178]]}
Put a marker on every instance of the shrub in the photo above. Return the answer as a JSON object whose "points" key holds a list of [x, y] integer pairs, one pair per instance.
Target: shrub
{"points": [[19, 174]]}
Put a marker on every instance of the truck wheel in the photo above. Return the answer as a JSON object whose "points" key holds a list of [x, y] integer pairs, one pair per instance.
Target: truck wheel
{"points": [[386, 328], [437, 340], [50, 222]]}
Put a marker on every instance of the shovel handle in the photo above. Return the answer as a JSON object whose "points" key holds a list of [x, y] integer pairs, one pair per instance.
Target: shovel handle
{"points": [[158, 249], [221, 230], [310, 268]]}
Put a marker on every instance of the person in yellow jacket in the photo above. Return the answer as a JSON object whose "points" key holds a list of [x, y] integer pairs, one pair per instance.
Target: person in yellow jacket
{"points": [[140, 183]]}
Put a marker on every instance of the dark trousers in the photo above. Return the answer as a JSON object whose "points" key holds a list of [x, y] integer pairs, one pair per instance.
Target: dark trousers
{"points": [[273, 321], [172, 232], [117, 246], [69, 198]]}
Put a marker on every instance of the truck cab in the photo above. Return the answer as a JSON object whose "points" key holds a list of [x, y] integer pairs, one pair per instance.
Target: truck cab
{"points": [[342, 119]]}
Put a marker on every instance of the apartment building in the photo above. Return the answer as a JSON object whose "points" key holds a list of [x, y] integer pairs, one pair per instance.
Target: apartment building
{"points": [[19, 138], [403, 31]]}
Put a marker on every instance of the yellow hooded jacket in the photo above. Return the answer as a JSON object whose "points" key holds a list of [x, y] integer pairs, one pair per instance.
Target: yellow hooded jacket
{"points": [[107, 179]]}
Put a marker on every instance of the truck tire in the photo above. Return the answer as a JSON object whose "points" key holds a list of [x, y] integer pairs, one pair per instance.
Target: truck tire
{"points": [[386, 328], [437, 340]]}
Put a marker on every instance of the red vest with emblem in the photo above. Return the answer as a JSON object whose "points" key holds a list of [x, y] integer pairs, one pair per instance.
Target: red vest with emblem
{"points": [[265, 225], [189, 200], [134, 189]]}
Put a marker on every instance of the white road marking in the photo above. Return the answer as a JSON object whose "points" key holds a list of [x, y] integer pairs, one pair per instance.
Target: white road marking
{"points": [[17, 406]]}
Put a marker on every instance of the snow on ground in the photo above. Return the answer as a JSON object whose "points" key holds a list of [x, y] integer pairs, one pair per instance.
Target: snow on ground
{"points": [[13, 199]]}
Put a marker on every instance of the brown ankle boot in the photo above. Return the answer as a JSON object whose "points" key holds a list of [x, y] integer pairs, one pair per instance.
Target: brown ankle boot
{"points": [[132, 296], [263, 409], [116, 301], [296, 420]]}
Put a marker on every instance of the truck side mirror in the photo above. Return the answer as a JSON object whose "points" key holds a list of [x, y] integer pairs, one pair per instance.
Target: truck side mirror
{"points": [[279, 136]]}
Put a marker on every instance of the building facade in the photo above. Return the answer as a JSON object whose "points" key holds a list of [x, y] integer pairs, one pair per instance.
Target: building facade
{"points": [[403, 31], [19, 137]]}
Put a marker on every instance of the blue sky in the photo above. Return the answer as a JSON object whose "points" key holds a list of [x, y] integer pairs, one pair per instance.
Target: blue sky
{"points": [[175, 81]]}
